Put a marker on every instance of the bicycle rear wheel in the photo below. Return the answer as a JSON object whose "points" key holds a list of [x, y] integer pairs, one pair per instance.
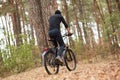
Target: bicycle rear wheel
{"points": [[70, 60], [49, 62]]}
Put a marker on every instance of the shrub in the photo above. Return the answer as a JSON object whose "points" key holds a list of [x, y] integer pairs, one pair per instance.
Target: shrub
{"points": [[17, 59]]}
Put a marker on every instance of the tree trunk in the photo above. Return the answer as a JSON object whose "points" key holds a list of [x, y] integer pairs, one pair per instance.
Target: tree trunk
{"points": [[66, 12], [77, 22], [7, 29], [114, 40], [37, 20], [82, 15], [97, 20], [67, 19], [118, 4], [23, 20], [5, 32], [114, 37], [16, 21]]}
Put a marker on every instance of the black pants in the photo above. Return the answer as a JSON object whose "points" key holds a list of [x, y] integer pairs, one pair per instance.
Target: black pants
{"points": [[56, 35]]}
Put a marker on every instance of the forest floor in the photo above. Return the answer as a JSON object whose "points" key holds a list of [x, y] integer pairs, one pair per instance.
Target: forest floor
{"points": [[105, 70]]}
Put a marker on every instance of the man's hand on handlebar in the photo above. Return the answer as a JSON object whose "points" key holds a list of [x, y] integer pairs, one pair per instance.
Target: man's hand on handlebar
{"points": [[69, 33]]}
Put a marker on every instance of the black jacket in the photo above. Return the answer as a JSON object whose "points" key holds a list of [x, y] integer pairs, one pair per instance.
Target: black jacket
{"points": [[55, 20]]}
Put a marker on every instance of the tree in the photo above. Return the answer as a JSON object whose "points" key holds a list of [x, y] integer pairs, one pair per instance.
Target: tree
{"points": [[37, 20], [16, 21], [76, 20], [66, 13], [118, 4], [81, 6]]}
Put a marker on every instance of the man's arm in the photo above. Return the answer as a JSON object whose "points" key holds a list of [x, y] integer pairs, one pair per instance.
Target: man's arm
{"points": [[66, 25], [64, 22], [68, 29]]}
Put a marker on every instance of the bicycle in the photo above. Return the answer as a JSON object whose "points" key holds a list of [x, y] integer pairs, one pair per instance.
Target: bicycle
{"points": [[49, 55]]}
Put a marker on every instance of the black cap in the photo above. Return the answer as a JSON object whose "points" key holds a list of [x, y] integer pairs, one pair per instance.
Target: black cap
{"points": [[57, 12]]}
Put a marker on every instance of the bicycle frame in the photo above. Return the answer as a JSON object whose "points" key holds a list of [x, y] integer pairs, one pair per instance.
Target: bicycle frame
{"points": [[46, 49], [42, 56], [49, 59]]}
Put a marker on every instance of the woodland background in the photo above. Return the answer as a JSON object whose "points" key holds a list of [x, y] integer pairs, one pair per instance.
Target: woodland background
{"points": [[24, 26]]}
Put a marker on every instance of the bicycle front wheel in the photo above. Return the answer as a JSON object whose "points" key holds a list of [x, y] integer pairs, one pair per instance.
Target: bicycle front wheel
{"points": [[49, 63], [70, 60]]}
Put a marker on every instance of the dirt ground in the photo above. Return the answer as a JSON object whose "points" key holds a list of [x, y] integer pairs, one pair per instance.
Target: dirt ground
{"points": [[92, 71]]}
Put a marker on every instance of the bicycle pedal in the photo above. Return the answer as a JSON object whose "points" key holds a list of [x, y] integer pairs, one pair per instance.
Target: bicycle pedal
{"points": [[58, 62]]}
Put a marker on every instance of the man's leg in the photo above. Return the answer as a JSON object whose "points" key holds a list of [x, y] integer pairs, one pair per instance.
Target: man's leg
{"points": [[62, 47], [52, 35], [61, 43], [55, 43]]}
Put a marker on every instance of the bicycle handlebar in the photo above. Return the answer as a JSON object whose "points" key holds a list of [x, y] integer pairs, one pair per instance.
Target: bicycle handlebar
{"points": [[67, 34]]}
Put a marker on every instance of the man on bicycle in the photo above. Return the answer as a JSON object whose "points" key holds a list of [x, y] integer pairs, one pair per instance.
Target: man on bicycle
{"points": [[55, 33]]}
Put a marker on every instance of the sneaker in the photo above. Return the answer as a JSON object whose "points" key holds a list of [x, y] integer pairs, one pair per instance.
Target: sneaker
{"points": [[59, 60]]}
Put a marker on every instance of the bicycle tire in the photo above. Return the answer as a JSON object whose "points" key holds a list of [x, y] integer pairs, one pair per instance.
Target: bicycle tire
{"points": [[69, 56], [50, 57]]}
